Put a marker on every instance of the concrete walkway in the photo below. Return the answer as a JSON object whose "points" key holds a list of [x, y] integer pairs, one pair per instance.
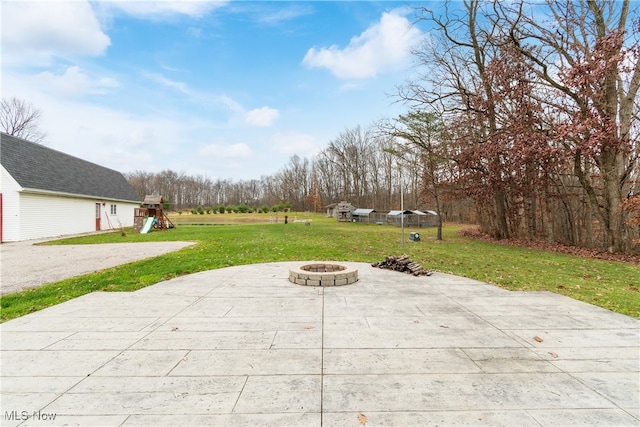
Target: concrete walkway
{"points": [[244, 346]]}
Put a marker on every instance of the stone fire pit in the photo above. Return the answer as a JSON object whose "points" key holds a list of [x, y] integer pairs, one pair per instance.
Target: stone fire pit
{"points": [[323, 274]]}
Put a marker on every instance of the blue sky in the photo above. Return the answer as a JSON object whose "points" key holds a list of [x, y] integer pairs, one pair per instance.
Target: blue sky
{"points": [[228, 90]]}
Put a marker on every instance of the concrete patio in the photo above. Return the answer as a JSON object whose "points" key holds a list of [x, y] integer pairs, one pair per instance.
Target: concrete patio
{"points": [[244, 346]]}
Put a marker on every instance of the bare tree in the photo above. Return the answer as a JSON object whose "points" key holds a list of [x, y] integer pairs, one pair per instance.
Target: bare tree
{"points": [[587, 52], [542, 101], [20, 119], [457, 83], [424, 131]]}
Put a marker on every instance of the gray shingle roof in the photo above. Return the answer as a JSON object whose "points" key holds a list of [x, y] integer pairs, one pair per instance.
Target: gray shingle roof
{"points": [[37, 167]]}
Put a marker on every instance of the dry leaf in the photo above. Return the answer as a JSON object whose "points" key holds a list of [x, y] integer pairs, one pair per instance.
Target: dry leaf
{"points": [[537, 338], [554, 355], [175, 328], [362, 418], [309, 327]]}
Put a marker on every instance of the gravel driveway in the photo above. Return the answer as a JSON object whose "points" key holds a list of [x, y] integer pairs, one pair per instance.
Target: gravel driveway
{"points": [[25, 265]]}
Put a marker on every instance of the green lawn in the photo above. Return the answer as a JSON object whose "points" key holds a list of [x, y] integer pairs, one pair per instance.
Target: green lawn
{"points": [[609, 284]]}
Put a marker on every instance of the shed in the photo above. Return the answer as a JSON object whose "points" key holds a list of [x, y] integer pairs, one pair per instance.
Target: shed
{"points": [[330, 209], [363, 215], [344, 211], [47, 193], [413, 218]]}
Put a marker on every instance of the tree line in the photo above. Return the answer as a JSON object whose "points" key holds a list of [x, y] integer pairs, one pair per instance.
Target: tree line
{"points": [[360, 166]]}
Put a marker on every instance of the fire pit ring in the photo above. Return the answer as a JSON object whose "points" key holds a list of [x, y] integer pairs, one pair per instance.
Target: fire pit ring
{"points": [[323, 274]]}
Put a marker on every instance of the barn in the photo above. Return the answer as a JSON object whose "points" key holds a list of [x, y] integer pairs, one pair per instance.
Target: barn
{"points": [[47, 193]]}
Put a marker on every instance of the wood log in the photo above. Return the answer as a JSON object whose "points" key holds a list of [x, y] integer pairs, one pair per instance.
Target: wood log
{"points": [[404, 264]]}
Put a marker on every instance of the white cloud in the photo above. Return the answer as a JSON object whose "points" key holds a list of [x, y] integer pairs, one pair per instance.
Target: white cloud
{"points": [[384, 46], [159, 9], [284, 14], [36, 31], [261, 117], [74, 82], [226, 151], [118, 139], [228, 102], [200, 97], [179, 86], [130, 140], [295, 143]]}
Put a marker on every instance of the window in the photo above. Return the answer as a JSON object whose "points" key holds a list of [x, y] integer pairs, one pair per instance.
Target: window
{"points": [[113, 209]]}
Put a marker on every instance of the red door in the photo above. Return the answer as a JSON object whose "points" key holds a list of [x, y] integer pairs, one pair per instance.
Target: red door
{"points": [[97, 216]]}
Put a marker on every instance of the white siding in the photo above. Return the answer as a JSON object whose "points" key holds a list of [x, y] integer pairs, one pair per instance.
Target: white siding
{"points": [[51, 216], [122, 218], [10, 207]]}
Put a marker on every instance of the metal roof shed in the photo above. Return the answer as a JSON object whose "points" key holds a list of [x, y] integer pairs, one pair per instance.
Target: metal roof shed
{"points": [[362, 215], [413, 218]]}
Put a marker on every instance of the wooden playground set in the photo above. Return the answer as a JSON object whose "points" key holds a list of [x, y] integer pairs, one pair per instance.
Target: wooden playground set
{"points": [[151, 216]]}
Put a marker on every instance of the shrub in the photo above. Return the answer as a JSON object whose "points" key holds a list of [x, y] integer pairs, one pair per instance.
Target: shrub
{"points": [[221, 209]]}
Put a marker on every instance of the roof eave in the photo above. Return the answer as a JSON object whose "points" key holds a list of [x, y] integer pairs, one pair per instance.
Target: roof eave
{"points": [[75, 196]]}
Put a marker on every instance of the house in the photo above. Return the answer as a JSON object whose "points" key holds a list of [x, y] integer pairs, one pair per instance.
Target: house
{"points": [[47, 193]]}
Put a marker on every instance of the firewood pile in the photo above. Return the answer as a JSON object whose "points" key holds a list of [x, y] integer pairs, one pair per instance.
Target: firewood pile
{"points": [[404, 264]]}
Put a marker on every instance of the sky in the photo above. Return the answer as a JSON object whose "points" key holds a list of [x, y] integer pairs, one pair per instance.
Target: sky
{"points": [[224, 89]]}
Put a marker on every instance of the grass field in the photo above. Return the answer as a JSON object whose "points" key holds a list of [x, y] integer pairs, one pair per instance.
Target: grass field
{"points": [[237, 239]]}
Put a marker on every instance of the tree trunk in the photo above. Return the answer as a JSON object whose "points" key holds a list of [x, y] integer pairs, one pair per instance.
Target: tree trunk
{"points": [[502, 227]]}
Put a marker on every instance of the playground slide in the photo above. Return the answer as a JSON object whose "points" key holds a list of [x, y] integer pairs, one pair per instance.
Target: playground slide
{"points": [[148, 223]]}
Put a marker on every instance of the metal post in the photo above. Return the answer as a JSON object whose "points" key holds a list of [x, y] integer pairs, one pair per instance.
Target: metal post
{"points": [[402, 208]]}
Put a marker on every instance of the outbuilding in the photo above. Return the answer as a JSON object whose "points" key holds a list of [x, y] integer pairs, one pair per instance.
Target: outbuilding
{"points": [[363, 215], [47, 193], [413, 218], [344, 211], [330, 209]]}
